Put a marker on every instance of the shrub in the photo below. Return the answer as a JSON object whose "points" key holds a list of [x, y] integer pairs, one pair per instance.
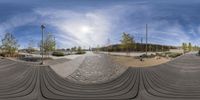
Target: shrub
{"points": [[58, 54], [30, 59], [143, 56], [169, 54], [161, 54], [152, 55], [80, 52], [174, 55], [199, 52], [4, 54]]}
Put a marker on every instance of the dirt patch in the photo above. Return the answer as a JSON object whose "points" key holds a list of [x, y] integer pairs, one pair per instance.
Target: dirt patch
{"points": [[135, 62]]}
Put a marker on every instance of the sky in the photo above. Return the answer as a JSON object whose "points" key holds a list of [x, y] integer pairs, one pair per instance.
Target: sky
{"points": [[88, 23]]}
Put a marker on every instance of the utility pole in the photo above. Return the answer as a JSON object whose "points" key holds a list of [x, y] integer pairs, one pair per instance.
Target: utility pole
{"points": [[42, 27], [54, 44], [156, 48], [108, 45], [146, 37], [141, 44]]}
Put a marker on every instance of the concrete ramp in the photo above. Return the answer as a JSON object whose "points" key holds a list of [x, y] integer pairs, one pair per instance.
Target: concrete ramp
{"points": [[67, 68]]}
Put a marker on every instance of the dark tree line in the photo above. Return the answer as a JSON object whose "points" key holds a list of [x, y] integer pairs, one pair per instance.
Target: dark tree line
{"points": [[128, 44], [138, 47]]}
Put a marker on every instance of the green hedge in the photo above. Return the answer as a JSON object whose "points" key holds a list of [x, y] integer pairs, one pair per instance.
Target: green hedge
{"points": [[80, 52], [174, 55], [58, 54], [169, 54]]}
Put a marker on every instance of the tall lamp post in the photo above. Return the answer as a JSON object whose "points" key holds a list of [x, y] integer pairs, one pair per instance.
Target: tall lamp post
{"points": [[42, 27], [146, 37], [108, 46]]}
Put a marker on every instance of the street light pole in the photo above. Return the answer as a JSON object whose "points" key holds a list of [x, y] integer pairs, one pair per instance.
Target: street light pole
{"points": [[42, 27], [55, 43], [146, 37], [108, 45], [141, 45]]}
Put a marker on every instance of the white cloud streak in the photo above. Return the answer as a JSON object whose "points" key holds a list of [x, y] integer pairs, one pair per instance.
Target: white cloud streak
{"points": [[83, 29], [16, 21], [93, 27]]}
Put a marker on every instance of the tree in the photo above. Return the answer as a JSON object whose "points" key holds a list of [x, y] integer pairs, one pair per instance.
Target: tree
{"points": [[108, 45], [189, 46], [184, 47], [79, 49], [150, 47], [49, 43], [195, 48], [30, 48], [73, 49], [98, 48], [199, 52], [127, 42], [9, 44]]}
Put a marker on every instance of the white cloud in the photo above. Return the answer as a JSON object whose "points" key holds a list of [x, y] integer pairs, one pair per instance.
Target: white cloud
{"points": [[16, 21], [83, 29], [171, 33], [93, 27], [87, 28]]}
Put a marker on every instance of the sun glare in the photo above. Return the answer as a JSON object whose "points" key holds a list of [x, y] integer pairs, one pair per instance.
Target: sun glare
{"points": [[85, 29]]}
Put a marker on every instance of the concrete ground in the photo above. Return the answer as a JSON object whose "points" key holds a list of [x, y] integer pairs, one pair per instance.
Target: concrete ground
{"points": [[88, 68], [175, 80], [97, 68]]}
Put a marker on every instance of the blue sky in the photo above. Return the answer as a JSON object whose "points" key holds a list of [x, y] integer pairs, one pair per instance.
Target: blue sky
{"points": [[91, 22]]}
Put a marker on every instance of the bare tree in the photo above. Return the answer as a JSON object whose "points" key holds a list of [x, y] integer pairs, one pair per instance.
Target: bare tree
{"points": [[49, 43], [30, 48], [184, 47], [189, 46], [9, 44]]}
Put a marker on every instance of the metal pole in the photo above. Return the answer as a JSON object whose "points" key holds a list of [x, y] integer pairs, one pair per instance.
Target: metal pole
{"points": [[141, 45], [146, 37], [42, 27], [55, 43], [108, 46]]}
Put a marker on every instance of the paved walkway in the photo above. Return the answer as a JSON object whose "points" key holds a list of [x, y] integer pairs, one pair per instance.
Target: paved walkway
{"points": [[97, 68]]}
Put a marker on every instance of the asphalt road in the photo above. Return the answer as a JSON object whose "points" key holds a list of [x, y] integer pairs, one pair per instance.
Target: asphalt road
{"points": [[175, 80]]}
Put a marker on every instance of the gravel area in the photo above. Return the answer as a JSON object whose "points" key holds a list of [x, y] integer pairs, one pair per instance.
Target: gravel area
{"points": [[136, 62], [96, 68]]}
